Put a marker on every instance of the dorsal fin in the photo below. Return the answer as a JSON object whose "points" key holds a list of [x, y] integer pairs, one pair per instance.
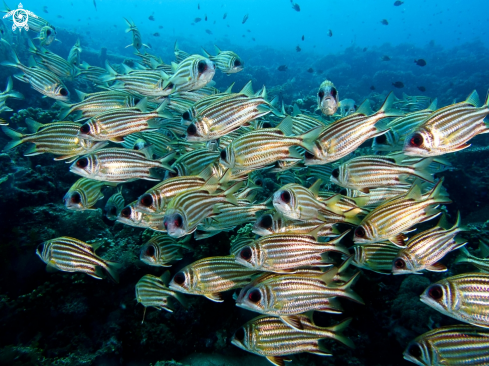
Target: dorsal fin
{"points": [[473, 99], [247, 89], [218, 51], [433, 105], [286, 126], [81, 94], [315, 187], [365, 108], [296, 110], [229, 89]]}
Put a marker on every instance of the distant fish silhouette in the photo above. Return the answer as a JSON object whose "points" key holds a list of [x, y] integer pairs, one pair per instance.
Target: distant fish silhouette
{"points": [[384, 22], [245, 18], [298, 49], [398, 3], [386, 58], [398, 84], [420, 62], [330, 33], [421, 88], [282, 68]]}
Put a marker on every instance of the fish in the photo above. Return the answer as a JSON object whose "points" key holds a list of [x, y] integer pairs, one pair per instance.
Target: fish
{"points": [[245, 18], [92, 74], [420, 62], [463, 297], [45, 9], [210, 277], [72, 255], [225, 16], [152, 18], [480, 263], [448, 129], [450, 345], [53, 62], [372, 87], [421, 88], [310, 70], [114, 205], [398, 3], [194, 72], [75, 52], [9, 93], [347, 107], [377, 196], [282, 253], [205, 18], [270, 337], [83, 194], [186, 210], [95, 4], [424, 250], [193, 162], [41, 80], [58, 138], [386, 58], [162, 250], [295, 6], [389, 220], [137, 42], [372, 171], [346, 134], [249, 151], [327, 98], [376, 257], [226, 61], [208, 31], [302, 37], [282, 68], [398, 84], [155, 141], [118, 165], [47, 35], [384, 22], [330, 33], [151, 291], [298, 49], [156, 34], [196, 20], [130, 216]]}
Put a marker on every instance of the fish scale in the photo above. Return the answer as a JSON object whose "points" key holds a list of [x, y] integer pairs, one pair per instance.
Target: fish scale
{"points": [[130, 216], [303, 123], [376, 196], [147, 83], [57, 64]]}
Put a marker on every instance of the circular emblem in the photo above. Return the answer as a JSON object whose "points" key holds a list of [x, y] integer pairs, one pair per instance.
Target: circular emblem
{"points": [[20, 18]]}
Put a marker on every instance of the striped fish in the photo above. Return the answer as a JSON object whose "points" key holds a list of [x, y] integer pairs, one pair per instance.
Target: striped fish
{"points": [[41, 80], [424, 250], [130, 216], [137, 43], [454, 345], [151, 291], [8, 93], [371, 171], [226, 61], [211, 276], [376, 257], [284, 295], [91, 73], [389, 220], [193, 162], [449, 129], [186, 210], [93, 104], [56, 64], [261, 148], [47, 35], [296, 202], [274, 224], [72, 255], [303, 122], [35, 23], [118, 165], [162, 250], [58, 138], [377, 196], [281, 253], [179, 54], [340, 203], [480, 263], [113, 125], [114, 205], [328, 98], [464, 297], [147, 58], [192, 73], [346, 134], [83, 194], [157, 141], [270, 337], [75, 52]]}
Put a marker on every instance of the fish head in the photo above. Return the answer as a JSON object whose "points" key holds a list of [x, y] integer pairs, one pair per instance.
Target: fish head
{"points": [[284, 201], [198, 130], [235, 65], [227, 156], [90, 146], [388, 141], [89, 130], [43, 250], [250, 256], [183, 281], [340, 175], [404, 264], [148, 254], [110, 212], [365, 233], [420, 143], [205, 70], [175, 223], [140, 144], [59, 92], [74, 200], [86, 166], [264, 225], [188, 116], [130, 216], [253, 298], [327, 98], [149, 202], [418, 352], [439, 297], [243, 337]]}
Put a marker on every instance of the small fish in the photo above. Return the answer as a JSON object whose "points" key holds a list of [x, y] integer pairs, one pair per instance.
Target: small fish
{"points": [[137, 42], [282, 68], [376, 257], [205, 18], [372, 87], [365, 49], [330, 33], [327, 98], [310, 70], [298, 49], [385, 58], [95, 5], [384, 22], [72, 255], [196, 20], [198, 6], [302, 37], [480, 263], [193, 73], [295, 6], [47, 36], [83, 194], [245, 18], [130, 216], [225, 16], [45, 9], [56, 64], [114, 205], [464, 297], [151, 17], [450, 345], [160, 27], [211, 276], [421, 88], [208, 31], [420, 62], [398, 3], [274, 224], [162, 250], [398, 84], [270, 337], [226, 61], [156, 34]]}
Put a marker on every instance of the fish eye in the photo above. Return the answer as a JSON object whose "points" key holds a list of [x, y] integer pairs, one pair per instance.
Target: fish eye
{"points": [[267, 125], [179, 278], [202, 66], [75, 198], [40, 248], [334, 92], [85, 128], [146, 200], [382, 139], [136, 147], [82, 163], [285, 196], [150, 251], [48, 32], [246, 253], [126, 212], [63, 92], [178, 221], [237, 63], [254, 296], [335, 173], [173, 174], [259, 182], [308, 155], [321, 94], [360, 232], [435, 292], [416, 140], [414, 350], [265, 221], [113, 210], [170, 85], [136, 101], [186, 116], [191, 130], [223, 154], [399, 263], [240, 334]]}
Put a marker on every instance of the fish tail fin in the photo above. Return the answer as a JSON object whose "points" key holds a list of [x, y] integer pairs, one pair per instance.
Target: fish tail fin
{"points": [[164, 162], [309, 138], [421, 170], [33, 126], [338, 333], [112, 269], [17, 138], [65, 109], [10, 85], [112, 74], [16, 62], [463, 256], [351, 216], [439, 194], [229, 193], [162, 111], [484, 249], [32, 47], [388, 109], [181, 299], [349, 292]]}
